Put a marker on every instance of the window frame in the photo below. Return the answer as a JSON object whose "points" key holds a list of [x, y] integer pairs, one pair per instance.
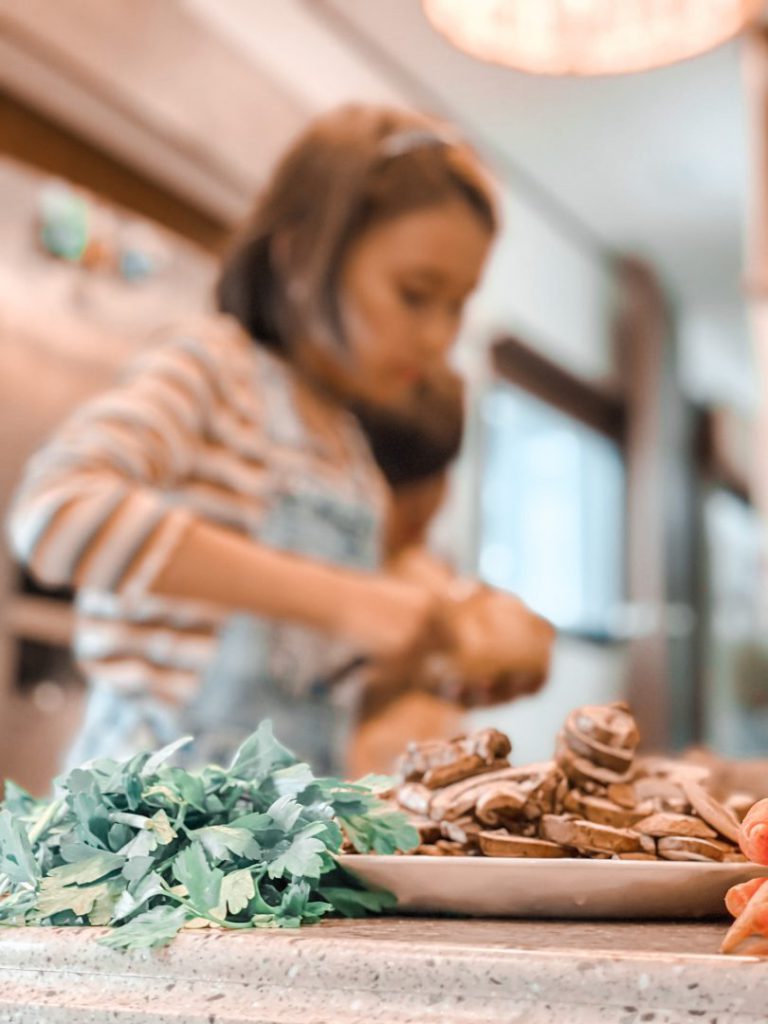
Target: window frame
{"points": [[600, 407], [597, 406]]}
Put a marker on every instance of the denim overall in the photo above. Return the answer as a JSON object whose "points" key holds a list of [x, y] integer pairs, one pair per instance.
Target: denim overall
{"points": [[263, 668]]}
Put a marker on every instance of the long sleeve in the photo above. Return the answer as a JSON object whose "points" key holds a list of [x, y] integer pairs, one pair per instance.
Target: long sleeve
{"points": [[96, 506]]}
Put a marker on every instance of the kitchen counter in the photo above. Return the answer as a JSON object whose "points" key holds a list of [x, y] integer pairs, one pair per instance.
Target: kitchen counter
{"points": [[396, 970]]}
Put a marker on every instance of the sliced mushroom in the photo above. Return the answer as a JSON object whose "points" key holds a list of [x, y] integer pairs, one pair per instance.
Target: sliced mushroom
{"points": [[611, 724], [623, 794], [587, 837], [458, 799], [490, 744], [498, 801], [648, 844], [690, 848], [712, 811], [543, 792], [463, 768], [420, 757], [635, 856], [451, 849], [464, 831], [429, 850], [668, 794], [666, 824], [584, 773], [414, 797], [501, 844], [429, 831], [486, 749], [618, 759], [603, 811]]}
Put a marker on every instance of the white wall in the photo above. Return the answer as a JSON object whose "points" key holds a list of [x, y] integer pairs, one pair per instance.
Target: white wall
{"points": [[543, 287], [717, 363]]}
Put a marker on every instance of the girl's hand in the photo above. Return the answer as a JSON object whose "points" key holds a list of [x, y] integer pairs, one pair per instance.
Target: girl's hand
{"points": [[394, 620], [503, 649]]}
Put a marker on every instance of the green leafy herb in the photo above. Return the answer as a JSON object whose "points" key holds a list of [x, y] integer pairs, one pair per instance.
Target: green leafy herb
{"points": [[154, 928], [149, 848]]}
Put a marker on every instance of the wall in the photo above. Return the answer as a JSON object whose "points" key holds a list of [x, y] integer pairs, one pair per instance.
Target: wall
{"points": [[717, 362]]}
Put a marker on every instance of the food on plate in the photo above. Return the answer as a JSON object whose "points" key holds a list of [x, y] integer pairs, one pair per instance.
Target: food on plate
{"points": [[500, 801], [464, 830], [453, 801], [611, 724], [663, 790], [596, 799], [587, 837], [691, 848], [664, 823], [501, 844], [712, 811], [439, 763], [603, 810], [414, 797], [606, 736]]}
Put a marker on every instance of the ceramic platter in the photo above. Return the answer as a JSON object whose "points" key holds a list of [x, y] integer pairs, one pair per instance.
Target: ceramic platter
{"points": [[506, 887]]}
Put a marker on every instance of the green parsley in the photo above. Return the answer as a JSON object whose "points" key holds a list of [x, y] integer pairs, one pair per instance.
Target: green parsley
{"points": [[150, 848]]}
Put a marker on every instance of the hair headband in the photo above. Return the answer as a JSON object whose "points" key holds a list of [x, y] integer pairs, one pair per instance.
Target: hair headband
{"points": [[416, 138]]}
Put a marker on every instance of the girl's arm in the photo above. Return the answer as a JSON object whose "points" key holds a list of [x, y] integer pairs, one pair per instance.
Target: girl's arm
{"points": [[500, 648], [384, 615], [96, 510]]}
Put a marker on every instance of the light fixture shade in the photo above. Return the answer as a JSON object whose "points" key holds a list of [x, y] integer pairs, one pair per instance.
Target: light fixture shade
{"points": [[588, 37]]}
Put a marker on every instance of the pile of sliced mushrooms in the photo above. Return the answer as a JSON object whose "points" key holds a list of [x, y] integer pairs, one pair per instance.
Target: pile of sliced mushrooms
{"points": [[596, 799]]}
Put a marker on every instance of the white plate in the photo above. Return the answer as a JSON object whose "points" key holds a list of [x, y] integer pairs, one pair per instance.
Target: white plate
{"points": [[507, 887]]}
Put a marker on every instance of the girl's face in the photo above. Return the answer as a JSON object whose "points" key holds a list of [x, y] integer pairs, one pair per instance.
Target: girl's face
{"points": [[402, 292]]}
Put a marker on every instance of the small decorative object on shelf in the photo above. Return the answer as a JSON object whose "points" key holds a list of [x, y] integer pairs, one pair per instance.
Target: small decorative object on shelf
{"points": [[64, 222], [78, 229], [140, 252]]}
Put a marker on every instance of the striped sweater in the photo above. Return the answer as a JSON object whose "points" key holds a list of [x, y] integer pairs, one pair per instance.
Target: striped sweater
{"points": [[206, 424]]}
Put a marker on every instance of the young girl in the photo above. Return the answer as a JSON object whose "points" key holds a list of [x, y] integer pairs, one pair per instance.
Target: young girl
{"points": [[226, 473]]}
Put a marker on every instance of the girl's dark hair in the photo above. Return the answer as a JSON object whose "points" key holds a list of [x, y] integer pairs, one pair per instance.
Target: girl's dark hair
{"points": [[352, 168], [418, 443]]}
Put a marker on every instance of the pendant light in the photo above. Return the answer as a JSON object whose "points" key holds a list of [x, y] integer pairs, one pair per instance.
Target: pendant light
{"points": [[588, 37]]}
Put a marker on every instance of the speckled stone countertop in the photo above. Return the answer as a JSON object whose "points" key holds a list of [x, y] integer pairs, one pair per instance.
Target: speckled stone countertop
{"points": [[397, 970]]}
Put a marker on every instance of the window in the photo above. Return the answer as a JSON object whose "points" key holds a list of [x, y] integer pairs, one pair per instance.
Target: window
{"points": [[552, 506]]}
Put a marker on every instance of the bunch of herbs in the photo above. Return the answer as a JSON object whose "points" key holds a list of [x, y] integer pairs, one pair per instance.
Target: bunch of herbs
{"points": [[151, 848]]}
